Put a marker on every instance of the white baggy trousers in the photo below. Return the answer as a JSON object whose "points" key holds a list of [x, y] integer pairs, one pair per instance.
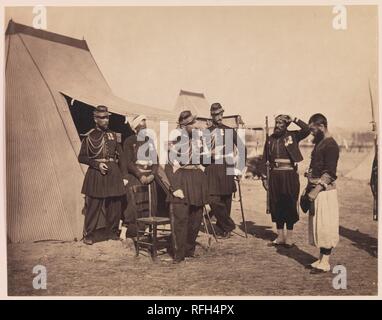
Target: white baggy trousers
{"points": [[324, 223]]}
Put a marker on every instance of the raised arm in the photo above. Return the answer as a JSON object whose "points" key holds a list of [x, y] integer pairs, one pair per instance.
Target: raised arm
{"points": [[303, 132]]}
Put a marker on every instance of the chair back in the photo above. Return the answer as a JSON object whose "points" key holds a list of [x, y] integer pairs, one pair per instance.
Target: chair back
{"points": [[143, 200]]}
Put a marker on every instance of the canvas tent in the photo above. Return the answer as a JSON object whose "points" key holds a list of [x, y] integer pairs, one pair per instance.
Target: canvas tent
{"points": [[363, 170], [47, 75], [193, 101]]}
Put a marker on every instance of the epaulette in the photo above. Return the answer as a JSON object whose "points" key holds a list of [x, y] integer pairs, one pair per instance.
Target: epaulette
{"points": [[87, 133]]}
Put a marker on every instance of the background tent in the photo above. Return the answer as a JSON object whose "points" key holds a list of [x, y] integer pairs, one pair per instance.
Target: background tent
{"points": [[363, 170], [193, 101], [47, 75]]}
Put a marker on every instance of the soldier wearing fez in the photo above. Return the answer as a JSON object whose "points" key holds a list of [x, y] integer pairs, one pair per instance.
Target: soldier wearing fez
{"points": [[221, 184], [103, 184], [185, 174], [283, 153], [141, 168]]}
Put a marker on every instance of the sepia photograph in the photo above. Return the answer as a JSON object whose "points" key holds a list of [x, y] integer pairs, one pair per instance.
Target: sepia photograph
{"points": [[191, 150]]}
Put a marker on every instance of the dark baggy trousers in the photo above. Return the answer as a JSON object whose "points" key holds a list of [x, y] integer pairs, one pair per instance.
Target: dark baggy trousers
{"points": [[185, 224], [221, 209], [102, 213]]}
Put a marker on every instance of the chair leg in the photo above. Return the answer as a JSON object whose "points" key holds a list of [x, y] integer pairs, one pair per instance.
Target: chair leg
{"points": [[207, 232], [136, 241], [154, 247], [212, 226]]}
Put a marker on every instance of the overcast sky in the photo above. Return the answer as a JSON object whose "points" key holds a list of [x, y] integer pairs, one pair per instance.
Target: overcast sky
{"points": [[254, 60]]}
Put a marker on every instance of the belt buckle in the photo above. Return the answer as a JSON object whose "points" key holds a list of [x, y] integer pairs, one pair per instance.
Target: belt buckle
{"points": [[277, 164]]}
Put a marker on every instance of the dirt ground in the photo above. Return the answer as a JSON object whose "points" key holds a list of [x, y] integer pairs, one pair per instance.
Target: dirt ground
{"points": [[235, 266]]}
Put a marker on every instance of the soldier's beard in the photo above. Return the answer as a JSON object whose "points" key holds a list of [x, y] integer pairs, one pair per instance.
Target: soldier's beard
{"points": [[318, 137], [278, 132]]}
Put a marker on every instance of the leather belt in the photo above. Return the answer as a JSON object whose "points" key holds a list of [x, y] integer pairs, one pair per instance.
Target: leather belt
{"points": [[283, 164], [105, 160]]}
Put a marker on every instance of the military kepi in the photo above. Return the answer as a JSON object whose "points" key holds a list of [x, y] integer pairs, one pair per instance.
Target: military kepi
{"points": [[101, 111], [186, 117], [216, 108]]}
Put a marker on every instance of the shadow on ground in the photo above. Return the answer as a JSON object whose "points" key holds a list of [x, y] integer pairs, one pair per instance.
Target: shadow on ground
{"points": [[361, 240], [260, 232], [266, 233]]}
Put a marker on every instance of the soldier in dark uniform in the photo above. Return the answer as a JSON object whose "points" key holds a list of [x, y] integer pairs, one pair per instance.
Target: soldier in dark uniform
{"points": [[103, 184], [187, 213], [221, 184], [320, 197], [284, 184], [141, 169]]}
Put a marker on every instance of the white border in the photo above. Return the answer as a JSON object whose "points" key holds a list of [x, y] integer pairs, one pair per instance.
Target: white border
{"points": [[3, 237]]}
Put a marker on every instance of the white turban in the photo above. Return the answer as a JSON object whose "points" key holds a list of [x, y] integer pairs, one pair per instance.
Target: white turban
{"points": [[137, 120]]}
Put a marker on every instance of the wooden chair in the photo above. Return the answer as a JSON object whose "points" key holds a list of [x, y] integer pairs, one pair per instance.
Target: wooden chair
{"points": [[151, 239]]}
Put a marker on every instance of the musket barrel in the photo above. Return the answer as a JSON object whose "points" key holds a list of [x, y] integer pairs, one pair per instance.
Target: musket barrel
{"points": [[267, 164]]}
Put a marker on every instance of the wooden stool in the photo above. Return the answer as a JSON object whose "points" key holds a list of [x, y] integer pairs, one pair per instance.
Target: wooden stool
{"points": [[151, 239]]}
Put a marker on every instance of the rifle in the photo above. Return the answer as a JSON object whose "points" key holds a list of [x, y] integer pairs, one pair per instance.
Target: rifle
{"points": [[267, 164], [374, 188]]}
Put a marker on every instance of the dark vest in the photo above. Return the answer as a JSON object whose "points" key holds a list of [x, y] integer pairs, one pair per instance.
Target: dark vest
{"points": [[291, 144]]}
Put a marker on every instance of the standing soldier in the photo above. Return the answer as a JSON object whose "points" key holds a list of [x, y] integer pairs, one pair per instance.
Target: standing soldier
{"points": [[320, 196], [283, 153], [221, 184], [103, 184], [374, 185], [141, 168], [187, 213]]}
